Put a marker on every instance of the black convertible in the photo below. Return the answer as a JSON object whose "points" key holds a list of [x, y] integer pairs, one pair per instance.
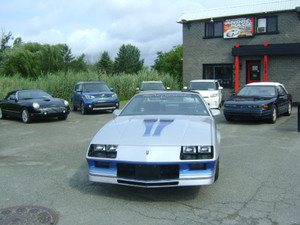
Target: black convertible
{"points": [[33, 104]]}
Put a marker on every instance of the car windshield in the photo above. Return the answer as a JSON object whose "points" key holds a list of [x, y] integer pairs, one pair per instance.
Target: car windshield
{"points": [[165, 104], [203, 86], [152, 86], [32, 94], [95, 87], [257, 91]]}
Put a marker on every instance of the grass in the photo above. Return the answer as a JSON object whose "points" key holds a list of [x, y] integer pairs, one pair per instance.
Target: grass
{"points": [[60, 85]]}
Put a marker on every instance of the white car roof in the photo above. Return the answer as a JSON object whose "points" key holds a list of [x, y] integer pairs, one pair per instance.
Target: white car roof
{"points": [[207, 80], [265, 84]]}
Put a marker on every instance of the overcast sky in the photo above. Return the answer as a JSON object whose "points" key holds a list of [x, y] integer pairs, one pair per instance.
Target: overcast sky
{"points": [[94, 26]]}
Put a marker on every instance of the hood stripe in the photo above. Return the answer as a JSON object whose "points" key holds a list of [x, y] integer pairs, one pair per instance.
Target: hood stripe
{"points": [[149, 123]]}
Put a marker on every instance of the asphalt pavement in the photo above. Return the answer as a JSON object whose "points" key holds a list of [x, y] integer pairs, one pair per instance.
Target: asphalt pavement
{"points": [[43, 164]]}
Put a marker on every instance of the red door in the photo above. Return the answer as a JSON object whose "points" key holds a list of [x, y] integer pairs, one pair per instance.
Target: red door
{"points": [[253, 72]]}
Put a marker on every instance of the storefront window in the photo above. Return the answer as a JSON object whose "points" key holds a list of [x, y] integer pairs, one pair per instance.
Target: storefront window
{"points": [[267, 25], [221, 72]]}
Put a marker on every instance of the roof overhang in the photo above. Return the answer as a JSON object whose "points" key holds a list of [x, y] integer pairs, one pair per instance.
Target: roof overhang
{"points": [[272, 49]]}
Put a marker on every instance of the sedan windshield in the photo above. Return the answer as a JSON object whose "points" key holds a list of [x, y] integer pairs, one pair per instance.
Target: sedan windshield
{"points": [[166, 104], [152, 86], [95, 87], [203, 86], [32, 94], [257, 91]]}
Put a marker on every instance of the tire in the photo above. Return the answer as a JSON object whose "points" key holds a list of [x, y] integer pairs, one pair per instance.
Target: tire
{"points": [[228, 118], [25, 116], [2, 115], [289, 110], [274, 115], [62, 117], [82, 109], [74, 108], [217, 171]]}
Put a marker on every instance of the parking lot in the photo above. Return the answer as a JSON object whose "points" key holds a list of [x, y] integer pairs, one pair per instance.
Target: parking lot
{"points": [[43, 164]]}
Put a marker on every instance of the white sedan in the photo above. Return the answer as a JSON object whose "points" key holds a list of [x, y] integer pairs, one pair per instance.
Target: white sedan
{"points": [[159, 139]]}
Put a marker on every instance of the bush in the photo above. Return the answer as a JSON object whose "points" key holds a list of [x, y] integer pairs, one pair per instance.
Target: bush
{"points": [[61, 84]]}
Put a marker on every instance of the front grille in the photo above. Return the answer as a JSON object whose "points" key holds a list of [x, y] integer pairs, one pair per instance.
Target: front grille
{"points": [[147, 172], [103, 96], [103, 104], [54, 109]]}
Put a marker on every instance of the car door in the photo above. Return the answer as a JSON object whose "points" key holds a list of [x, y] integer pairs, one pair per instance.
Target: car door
{"points": [[10, 105], [77, 95], [283, 100]]}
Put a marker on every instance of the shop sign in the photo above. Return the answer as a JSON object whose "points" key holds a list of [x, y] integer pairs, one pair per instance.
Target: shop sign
{"points": [[238, 28]]}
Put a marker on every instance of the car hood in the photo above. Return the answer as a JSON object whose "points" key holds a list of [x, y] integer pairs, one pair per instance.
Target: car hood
{"points": [[98, 93], [241, 100], [156, 130], [46, 102]]}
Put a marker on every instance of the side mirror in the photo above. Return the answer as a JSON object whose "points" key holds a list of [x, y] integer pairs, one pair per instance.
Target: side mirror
{"points": [[117, 112], [215, 112], [111, 89]]}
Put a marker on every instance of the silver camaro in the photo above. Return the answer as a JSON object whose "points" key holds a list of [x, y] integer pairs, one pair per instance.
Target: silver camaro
{"points": [[159, 139]]}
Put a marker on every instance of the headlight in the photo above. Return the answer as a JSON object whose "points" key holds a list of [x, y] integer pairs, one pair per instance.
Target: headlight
{"points": [[213, 95], [89, 96], [36, 105], [197, 152], [103, 151], [66, 103], [115, 96]]}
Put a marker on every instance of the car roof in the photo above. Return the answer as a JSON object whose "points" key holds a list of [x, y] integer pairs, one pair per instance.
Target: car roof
{"points": [[154, 81], [206, 80], [166, 92], [265, 84], [89, 82]]}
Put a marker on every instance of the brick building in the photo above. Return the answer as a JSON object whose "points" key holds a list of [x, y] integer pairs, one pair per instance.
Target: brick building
{"points": [[244, 44]]}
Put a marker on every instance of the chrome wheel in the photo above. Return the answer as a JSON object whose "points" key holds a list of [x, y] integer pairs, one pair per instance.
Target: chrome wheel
{"points": [[25, 116], [274, 115], [289, 110]]}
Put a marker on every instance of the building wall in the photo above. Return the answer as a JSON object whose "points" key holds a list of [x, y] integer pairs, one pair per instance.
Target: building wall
{"points": [[198, 51]]}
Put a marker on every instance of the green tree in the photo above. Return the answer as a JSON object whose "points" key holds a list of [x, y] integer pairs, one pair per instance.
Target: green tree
{"points": [[105, 64], [128, 60], [170, 62], [79, 64]]}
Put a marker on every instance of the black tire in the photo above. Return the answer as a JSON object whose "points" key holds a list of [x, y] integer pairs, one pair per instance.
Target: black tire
{"points": [[217, 171], [228, 118], [289, 110], [82, 109], [74, 108], [274, 115], [62, 117], [25, 116], [2, 115]]}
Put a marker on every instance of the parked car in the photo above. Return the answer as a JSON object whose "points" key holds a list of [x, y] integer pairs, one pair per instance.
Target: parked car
{"points": [[261, 100], [33, 104], [210, 90], [93, 96], [152, 86], [159, 139]]}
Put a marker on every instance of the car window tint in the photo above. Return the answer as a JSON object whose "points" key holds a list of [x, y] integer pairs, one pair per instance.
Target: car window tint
{"points": [[152, 86], [257, 91], [203, 86], [95, 87], [165, 104]]}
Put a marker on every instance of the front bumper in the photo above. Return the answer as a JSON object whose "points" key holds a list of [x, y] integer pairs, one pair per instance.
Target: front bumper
{"points": [[50, 112], [213, 103], [106, 104], [246, 112], [152, 175]]}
